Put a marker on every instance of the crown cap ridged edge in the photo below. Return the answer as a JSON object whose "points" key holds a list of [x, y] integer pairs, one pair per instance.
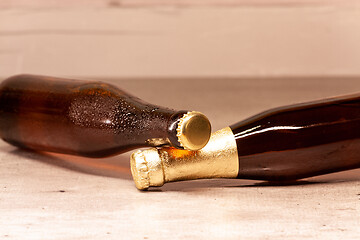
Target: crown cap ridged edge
{"points": [[140, 170], [193, 131]]}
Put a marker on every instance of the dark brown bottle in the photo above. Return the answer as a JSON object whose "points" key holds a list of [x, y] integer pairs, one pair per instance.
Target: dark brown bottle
{"points": [[92, 119], [281, 144]]}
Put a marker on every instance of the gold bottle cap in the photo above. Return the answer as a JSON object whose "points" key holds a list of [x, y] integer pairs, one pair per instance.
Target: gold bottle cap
{"points": [[193, 131], [146, 168]]}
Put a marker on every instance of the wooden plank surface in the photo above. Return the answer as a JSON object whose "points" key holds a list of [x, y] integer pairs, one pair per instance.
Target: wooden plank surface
{"points": [[39, 4], [97, 39], [47, 196]]}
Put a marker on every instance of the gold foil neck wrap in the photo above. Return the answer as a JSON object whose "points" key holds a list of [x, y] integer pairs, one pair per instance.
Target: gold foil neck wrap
{"points": [[218, 159]]}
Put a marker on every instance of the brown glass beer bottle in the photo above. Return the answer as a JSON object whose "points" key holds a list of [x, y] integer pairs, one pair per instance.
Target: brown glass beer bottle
{"points": [[281, 144], [92, 119]]}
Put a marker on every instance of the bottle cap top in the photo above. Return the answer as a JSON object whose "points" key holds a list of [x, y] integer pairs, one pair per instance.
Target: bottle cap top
{"points": [[193, 131]]}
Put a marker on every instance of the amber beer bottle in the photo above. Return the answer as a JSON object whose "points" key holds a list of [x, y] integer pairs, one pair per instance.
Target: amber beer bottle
{"points": [[281, 144], [92, 119]]}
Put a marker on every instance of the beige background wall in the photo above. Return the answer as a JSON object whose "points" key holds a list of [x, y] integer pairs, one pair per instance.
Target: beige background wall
{"points": [[134, 38]]}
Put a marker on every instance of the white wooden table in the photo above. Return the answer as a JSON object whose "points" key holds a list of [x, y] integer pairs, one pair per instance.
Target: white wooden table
{"points": [[48, 196]]}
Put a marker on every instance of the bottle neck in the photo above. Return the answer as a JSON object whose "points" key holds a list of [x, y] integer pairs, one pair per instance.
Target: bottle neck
{"points": [[159, 127], [218, 159], [143, 124]]}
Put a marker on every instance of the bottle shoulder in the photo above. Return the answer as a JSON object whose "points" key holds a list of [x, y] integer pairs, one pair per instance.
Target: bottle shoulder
{"points": [[322, 111]]}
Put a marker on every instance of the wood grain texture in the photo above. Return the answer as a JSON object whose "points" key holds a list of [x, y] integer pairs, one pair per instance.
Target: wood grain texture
{"points": [[38, 4], [97, 39], [62, 197]]}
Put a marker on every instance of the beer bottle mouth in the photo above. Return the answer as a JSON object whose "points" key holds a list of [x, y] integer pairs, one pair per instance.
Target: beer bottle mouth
{"points": [[193, 131]]}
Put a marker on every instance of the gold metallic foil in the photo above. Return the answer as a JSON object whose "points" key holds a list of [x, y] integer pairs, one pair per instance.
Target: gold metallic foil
{"points": [[139, 170], [218, 159]]}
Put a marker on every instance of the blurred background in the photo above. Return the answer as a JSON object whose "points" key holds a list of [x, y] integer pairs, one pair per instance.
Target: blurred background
{"points": [[180, 38]]}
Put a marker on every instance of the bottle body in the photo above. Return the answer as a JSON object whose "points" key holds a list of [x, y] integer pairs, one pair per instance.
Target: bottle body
{"points": [[301, 140], [92, 119], [281, 144]]}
